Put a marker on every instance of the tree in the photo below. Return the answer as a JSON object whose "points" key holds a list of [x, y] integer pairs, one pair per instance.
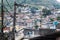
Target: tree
{"points": [[36, 26], [33, 9], [46, 12], [58, 18], [51, 19]]}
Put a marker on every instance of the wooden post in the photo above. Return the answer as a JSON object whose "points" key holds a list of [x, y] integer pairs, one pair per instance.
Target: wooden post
{"points": [[2, 19], [14, 21], [2, 15]]}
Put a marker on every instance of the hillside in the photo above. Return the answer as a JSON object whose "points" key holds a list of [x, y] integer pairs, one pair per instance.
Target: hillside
{"points": [[33, 3]]}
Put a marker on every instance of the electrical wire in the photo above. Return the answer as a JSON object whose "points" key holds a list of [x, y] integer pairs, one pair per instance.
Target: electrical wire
{"points": [[6, 9], [8, 4]]}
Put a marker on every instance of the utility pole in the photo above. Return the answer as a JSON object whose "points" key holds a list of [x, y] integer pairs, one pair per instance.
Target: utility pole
{"points": [[2, 17], [14, 20], [41, 20]]}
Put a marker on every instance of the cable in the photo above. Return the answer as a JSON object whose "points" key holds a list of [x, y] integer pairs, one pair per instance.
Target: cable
{"points": [[6, 9], [8, 12], [8, 4]]}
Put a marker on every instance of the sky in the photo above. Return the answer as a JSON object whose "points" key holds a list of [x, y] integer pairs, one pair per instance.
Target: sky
{"points": [[0, 1], [58, 0]]}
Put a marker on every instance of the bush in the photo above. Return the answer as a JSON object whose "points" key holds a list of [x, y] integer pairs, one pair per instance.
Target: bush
{"points": [[58, 18], [51, 19], [36, 27], [46, 12]]}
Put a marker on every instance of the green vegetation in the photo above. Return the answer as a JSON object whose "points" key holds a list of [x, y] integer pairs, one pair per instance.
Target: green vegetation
{"points": [[58, 18], [51, 19], [36, 27], [33, 9], [46, 12]]}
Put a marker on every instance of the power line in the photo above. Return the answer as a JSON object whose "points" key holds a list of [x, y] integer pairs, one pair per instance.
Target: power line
{"points": [[8, 12], [8, 4], [6, 9], [2, 14]]}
